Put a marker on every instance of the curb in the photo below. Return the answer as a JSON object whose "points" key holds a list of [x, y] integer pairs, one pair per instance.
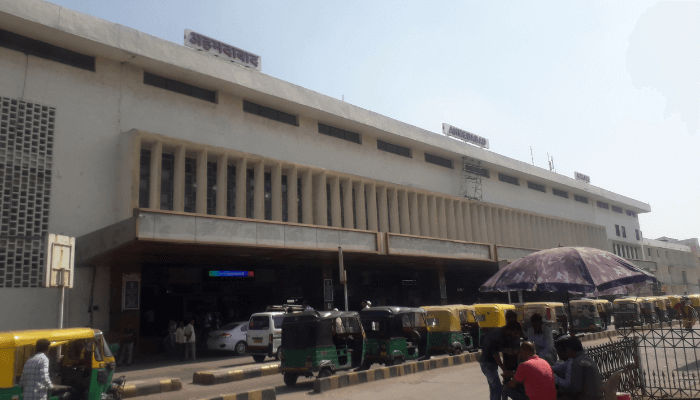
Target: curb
{"points": [[215, 377], [151, 386], [261, 394], [357, 378]]}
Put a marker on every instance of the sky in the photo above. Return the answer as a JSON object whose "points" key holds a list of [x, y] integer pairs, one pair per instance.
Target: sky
{"points": [[609, 89]]}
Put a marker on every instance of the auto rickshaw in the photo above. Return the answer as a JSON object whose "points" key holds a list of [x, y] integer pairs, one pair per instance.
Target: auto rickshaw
{"points": [[83, 371], [661, 308], [467, 318], [395, 334], [673, 311], [546, 310], [649, 310], [520, 310], [605, 310], [321, 343], [491, 316], [687, 313], [447, 335], [585, 316], [695, 301], [627, 312]]}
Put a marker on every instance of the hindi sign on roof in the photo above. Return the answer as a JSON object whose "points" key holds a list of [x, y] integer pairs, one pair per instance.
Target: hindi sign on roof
{"points": [[465, 136], [225, 51], [582, 177]]}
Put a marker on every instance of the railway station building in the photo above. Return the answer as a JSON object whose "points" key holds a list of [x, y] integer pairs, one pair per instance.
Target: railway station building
{"points": [[171, 164]]}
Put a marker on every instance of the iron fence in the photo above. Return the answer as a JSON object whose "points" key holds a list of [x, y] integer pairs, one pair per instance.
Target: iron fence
{"points": [[659, 363]]}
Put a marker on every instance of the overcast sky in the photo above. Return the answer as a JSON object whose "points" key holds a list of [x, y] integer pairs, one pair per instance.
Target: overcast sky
{"points": [[609, 89]]}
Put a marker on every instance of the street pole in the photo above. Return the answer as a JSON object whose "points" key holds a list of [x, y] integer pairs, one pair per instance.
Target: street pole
{"points": [[343, 275], [60, 307], [345, 288], [509, 301]]}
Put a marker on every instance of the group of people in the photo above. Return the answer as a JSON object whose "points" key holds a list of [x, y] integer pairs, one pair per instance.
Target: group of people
{"points": [[530, 370]]}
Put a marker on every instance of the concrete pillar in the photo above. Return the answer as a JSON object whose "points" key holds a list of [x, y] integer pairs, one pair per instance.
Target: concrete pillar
{"points": [[292, 195], [307, 198], [543, 233], [221, 184], [483, 225], [491, 236], [336, 220], [415, 214], [466, 213], [474, 212], [372, 217], [432, 208], [276, 192], [360, 205], [505, 231], [404, 213], [154, 184], [201, 204], [259, 190], [320, 200], [517, 234], [536, 238], [394, 219], [442, 284], [241, 186], [179, 180], [441, 217], [450, 220], [348, 212], [459, 219], [382, 209], [496, 224], [424, 215]]}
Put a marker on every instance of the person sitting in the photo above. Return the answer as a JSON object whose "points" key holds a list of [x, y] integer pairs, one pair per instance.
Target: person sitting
{"points": [[535, 374], [586, 380], [541, 336], [562, 368]]}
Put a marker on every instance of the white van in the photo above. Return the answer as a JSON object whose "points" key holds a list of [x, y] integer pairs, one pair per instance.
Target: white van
{"points": [[264, 335]]}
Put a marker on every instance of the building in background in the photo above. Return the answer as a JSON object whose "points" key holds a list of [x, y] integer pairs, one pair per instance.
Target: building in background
{"points": [[174, 167], [675, 263]]}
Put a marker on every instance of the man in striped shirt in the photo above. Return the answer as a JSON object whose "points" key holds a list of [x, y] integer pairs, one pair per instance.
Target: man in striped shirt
{"points": [[35, 380]]}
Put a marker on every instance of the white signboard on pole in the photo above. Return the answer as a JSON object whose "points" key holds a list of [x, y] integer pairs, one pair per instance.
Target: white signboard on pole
{"points": [[60, 258], [224, 51], [465, 136]]}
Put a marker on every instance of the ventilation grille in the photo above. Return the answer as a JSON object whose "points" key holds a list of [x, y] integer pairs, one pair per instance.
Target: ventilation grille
{"points": [[26, 162]]}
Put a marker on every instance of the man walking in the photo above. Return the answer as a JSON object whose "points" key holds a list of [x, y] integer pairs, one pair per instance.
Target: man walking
{"points": [[35, 380], [190, 342], [494, 343], [126, 348], [535, 373]]}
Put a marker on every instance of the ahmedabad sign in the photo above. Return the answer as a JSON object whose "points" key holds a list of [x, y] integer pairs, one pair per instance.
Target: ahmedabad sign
{"points": [[468, 137], [223, 50], [582, 177]]}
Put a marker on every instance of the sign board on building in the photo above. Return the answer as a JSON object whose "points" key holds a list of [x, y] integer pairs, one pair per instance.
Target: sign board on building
{"points": [[60, 260], [328, 289], [582, 177], [465, 136], [223, 50], [131, 291]]}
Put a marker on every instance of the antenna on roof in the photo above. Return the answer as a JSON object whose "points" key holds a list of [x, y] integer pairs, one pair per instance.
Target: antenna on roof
{"points": [[343, 97], [531, 156], [550, 160]]}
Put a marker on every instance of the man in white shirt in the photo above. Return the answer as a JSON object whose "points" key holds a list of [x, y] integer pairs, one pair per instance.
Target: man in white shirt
{"points": [[35, 379], [180, 341], [190, 342], [541, 336]]}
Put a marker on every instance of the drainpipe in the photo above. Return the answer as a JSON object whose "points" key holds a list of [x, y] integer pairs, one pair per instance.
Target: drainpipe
{"points": [[92, 294]]}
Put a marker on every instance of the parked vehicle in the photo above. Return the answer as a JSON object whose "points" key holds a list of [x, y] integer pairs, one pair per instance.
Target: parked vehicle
{"points": [[673, 311], [548, 312], [395, 334], [447, 335], [585, 316], [695, 301], [467, 319], [85, 369], [663, 308], [231, 337], [605, 309], [320, 343], [627, 312], [491, 316], [264, 335], [688, 314], [649, 310]]}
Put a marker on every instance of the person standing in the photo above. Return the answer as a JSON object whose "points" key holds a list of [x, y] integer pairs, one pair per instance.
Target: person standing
{"points": [[190, 342], [490, 360], [535, 374], [35, 379], [180, 341], [126, 349]]}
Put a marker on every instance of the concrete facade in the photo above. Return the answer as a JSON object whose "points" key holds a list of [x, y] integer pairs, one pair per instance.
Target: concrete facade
{"points": [[677, 264], [105, 118]]}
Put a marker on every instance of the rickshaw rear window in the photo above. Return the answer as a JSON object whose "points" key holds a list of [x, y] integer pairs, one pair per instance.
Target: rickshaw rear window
{"points": [[277, 321], [298, 336]]}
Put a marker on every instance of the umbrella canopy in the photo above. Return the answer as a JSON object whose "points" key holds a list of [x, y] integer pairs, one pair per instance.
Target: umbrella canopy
{"points": [[571, 269]]}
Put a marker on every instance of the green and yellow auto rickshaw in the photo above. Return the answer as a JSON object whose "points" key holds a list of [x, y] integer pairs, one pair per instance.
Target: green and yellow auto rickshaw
{"points": [[605, 310], [321, 343], [81, 365], [470, 326], [585, 316], [627, 312], [446, 331], [649, 310], [395, 335]]}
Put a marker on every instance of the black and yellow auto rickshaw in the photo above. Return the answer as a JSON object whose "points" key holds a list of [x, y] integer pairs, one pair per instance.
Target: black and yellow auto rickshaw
{"points": [[470, 326], [627, 312], [663, 305], [585, 316], [491, 316], [687, 313], [321, 343], [605, 310], [395, 334], [446, 331], [649, 310], [84, 370]]}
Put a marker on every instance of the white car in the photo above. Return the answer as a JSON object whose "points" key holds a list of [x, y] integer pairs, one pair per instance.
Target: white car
{"points": [[229, 337], [264, 335]]}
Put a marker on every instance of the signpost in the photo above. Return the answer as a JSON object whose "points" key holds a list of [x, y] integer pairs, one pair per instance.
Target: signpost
{"points": [[59, 267], [343, 276], [131, 291]]}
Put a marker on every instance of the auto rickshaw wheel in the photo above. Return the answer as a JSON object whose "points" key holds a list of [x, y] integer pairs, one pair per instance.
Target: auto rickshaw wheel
{"points": [[290, 379], [457, 351], [324, 373], [364, 366], [259, 358]]}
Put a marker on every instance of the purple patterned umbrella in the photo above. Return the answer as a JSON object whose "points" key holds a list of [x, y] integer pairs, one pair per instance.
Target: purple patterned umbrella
{"points": [[570, 269]]}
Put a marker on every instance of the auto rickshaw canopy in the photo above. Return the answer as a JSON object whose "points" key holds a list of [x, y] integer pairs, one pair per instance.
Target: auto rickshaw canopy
{"points": [[492, 315], [694, 299], [446, 319], [467, 314]]}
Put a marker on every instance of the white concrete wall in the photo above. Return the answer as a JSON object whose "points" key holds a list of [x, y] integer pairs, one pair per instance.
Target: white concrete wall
{"points": [[29, 308], [78, 299]]}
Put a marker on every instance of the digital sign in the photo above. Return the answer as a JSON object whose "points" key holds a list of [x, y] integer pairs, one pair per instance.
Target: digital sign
{"points": [[227, 275], [232, 274]]}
